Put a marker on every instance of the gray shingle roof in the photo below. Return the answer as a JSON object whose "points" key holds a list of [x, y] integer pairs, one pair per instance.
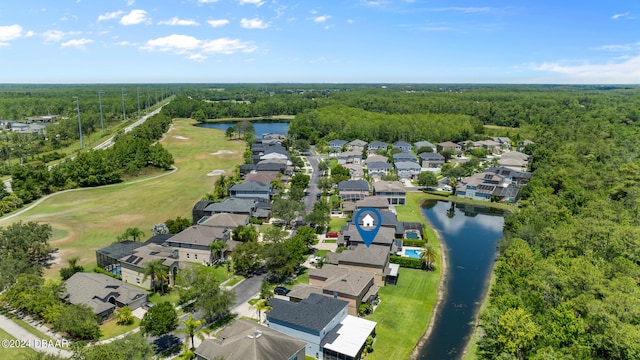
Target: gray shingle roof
{"points": [[251, 185], [198, 235], [95, 290], [353, 185], [374, 256], [312, 313], [246, 340]]}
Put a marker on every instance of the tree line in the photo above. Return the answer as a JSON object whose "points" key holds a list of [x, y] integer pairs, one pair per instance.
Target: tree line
{"points": [[130, 153]]}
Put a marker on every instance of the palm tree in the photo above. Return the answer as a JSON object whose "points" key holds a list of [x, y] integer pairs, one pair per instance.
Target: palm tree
{"points": [[428, 256], [154, 270], [124, 315], [260, 306], [217, 247], [191, 326], [135, 233]]}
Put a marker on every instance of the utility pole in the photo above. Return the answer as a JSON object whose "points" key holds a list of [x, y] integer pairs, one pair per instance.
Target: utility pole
{"points": [[124, 116], [101, 118], [138, 94], [79, 122]]}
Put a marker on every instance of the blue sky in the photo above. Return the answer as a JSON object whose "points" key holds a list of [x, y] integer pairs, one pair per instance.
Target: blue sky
{"points": [[329, 41]]}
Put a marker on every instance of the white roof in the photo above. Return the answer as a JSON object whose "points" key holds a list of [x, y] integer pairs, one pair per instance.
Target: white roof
{"points": [[393, 269], [349, 336]]}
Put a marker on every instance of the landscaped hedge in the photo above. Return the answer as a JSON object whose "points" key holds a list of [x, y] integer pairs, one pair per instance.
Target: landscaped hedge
{"points": [[413, 242], [406, 262]]}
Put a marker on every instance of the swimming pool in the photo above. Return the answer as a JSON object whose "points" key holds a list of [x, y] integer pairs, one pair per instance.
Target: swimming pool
{"points": [[412, 253], [411, 235]]}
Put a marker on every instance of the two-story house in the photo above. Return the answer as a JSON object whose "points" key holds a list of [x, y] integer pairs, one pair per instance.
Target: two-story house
{"points": [[402, 145], [393, 191], [252, 189]]}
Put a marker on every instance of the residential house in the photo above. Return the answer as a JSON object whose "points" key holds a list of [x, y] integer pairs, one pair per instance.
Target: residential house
{"points": [[393, 191], [356, 171], [43, 118], [252, 189], [524, 144], [259, 208], [272, 165], [353, 190], [274, 156], [404, 156], [519, 178], [353, 286], [102, 293], [108, 258], [193, 243], [514, 160], [350, 157], [422, 144], [504, 143], [225, 221], [374, 258], [133, 265], [246, 169], [402, 145], [431, 160], [246, 340], [492, 146], [324, 324], [375, 202], [378, 169], [336, 145], [407, 169], [456, 148], [266, 176], [358, 145], [376, 158], [377, 145]]}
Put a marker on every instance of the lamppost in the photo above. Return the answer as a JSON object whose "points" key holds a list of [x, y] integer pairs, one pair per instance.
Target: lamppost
{"points": [[124, 116], [101, 118], [79, 122]]}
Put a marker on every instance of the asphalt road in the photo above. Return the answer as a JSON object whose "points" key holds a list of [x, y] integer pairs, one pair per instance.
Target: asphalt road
{"points": [[247, 289], [313, 190]]}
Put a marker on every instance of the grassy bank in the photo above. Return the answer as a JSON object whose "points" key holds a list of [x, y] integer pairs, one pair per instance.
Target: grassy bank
{"points": [[92, 218], [13, 353]]}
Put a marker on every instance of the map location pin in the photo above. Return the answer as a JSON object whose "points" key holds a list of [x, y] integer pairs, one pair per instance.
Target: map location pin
{"points": [[367, 222]]}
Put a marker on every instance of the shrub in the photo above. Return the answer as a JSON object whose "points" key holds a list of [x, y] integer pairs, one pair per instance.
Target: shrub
{"points": [[413, 242], [406, 262]]}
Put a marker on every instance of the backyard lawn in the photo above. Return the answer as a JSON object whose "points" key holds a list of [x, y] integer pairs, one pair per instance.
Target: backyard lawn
{"points": [[89, 219], [111, 328], [336, 223], [403, 313]]}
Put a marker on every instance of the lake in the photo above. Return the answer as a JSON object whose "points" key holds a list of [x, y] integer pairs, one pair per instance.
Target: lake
{"points": [[262, 127], [470, 234]]}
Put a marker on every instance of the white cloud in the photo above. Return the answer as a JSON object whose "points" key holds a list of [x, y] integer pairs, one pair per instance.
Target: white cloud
{"points": [[350, 21], [174, 42], [184, 44], [29, 33], [252, 2], [227, 46], [123, 43], [253, 24], [110, 15], [77, 43], [207, 1], [135, 17], [53, 35], [218, 22], [618, 16], [130, 2], [197, 57], [321, 19], [180, 22], [626, 71], [10, 32]]}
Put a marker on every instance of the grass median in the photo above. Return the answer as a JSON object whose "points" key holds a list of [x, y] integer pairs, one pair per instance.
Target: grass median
{"points": [[92, 218]]}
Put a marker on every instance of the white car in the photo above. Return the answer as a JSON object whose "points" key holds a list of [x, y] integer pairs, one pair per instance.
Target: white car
{"points": [[314, 259]]}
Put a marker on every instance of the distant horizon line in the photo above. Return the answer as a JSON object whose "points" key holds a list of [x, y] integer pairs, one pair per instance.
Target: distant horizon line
{"points": [[319, 83]]}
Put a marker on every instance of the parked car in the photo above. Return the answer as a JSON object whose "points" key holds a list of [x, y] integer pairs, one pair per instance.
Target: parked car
{"points": [[281, 290], [148, 305], [333, 234], [314, 259]]}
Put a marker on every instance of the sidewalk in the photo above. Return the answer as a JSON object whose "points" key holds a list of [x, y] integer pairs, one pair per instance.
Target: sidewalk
{"points": [[54, 347]]}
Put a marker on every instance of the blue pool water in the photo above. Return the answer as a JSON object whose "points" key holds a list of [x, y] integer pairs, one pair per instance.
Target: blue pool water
{"points": [[413, 253], [411, 235]]}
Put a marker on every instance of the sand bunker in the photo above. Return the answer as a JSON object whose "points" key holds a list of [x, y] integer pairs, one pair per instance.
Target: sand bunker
{"points": [[180, 137], [216, 173], [220, 152]]}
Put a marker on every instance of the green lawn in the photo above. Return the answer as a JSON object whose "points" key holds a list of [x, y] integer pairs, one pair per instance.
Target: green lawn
{"points": [[302, 278], [14, 353], [111, 329], [322, 253], [93, 218], [171, 297], [404, 313], [336, 223]]}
